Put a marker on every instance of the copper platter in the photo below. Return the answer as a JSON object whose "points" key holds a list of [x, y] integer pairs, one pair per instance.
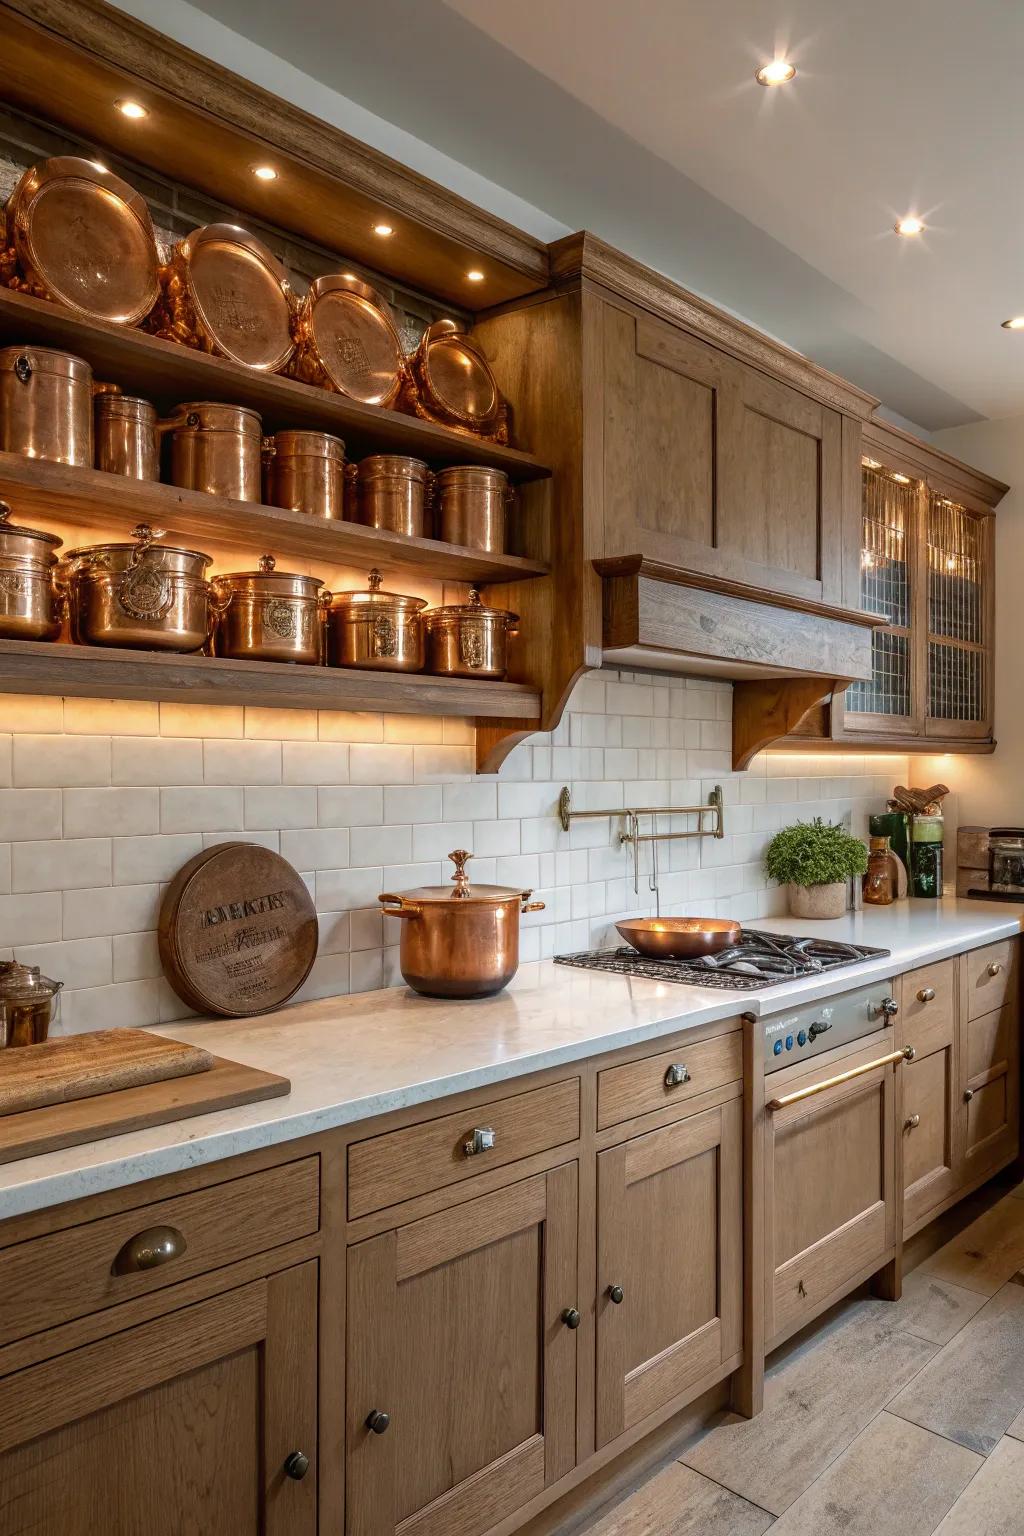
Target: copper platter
{"points": [[679, 938], [452, 383], [347, 341], [225, 292], [84, 238]]}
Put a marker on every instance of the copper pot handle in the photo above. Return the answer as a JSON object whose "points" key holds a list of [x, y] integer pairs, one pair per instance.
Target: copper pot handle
{"points": [[528, 905], [397, 906], [170, 423]]}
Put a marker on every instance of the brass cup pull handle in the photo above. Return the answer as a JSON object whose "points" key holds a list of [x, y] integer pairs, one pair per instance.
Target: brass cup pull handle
{"points": [[616, 1294], [995, 968], [926, 995], [912, 1124], [571, 1318], [377, 1421], [149, 1249], [677, 1074], [296, 1466], [968, 1095], [483, 1139]]}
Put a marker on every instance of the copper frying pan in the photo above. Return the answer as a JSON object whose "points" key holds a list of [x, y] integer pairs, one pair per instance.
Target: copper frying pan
{"points": [[679, 938]]}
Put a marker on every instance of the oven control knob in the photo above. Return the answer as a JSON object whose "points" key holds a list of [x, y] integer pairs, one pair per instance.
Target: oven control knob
{"points": [[801, 1038], [888, 1008], [777, 1048], [789, 1042], [818, 1028]]}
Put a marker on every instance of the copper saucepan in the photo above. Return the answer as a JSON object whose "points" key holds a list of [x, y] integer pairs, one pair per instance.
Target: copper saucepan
{"points": [[679, 938]]}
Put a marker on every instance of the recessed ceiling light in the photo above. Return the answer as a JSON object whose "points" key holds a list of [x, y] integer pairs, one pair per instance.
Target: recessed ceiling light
{"points": [[475, 276], [264, 172], [778, 72], [910, 225], [1016, 324], [132, 109], [383, 230]]}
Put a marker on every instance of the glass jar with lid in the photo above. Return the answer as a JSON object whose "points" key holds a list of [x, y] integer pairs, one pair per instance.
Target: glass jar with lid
{"points": [[28, 1004]]}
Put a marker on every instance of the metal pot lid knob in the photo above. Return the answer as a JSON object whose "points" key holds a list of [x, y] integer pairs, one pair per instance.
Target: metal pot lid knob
{"points": [[267, 564], [374, 580], [460, 858]]}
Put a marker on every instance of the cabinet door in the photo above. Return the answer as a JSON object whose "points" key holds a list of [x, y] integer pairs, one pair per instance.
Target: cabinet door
{"points": [[960, 553], [932, 1147], [179, 1427], [830, 1195], [456, 1333], [670, 1240], [990, 1089]]}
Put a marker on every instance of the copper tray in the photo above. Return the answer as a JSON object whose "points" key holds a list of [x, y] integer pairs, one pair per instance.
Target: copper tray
{"points": [[84, 238], [347, 341], [679, 938], [225, 292], [452, 383]]}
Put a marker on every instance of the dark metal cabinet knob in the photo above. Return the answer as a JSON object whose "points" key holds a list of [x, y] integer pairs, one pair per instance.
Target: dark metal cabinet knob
{"points": [[296, 1466], [483, 1139], [378, 1421], [912, 1123], [149, 1249], [995, 968], [909, 1053], [571, 1318], [968, 1095], [616, 1293], [819, 1027], [676, 1074]]}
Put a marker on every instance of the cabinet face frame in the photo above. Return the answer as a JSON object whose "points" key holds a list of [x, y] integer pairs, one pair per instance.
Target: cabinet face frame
{"points": [[937, 1045]]}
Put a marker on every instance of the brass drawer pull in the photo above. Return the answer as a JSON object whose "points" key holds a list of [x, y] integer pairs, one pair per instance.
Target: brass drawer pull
{"points": [[296, 1466], [912, 1124], [907, 1054], [926, 995], [676, 1074], [149, 1249], [483, 1139], [995, 968]]}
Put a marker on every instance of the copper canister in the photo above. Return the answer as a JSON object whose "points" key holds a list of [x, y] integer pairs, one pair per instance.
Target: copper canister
{"points": [[305, 471], [31, 601], [471, 503], [46, 405], [468, 639], [270, 615], [378, 630], [216, 448], [127, 437], [392, 493]]}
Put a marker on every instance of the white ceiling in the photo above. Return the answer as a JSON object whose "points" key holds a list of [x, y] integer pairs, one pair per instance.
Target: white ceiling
{"points": [[643, 122]]}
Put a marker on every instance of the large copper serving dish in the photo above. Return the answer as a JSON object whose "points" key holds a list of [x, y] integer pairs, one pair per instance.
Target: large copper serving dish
{"points": [[679, 938], [225, 292], [84, 238], [451, 383], [347, 341]]}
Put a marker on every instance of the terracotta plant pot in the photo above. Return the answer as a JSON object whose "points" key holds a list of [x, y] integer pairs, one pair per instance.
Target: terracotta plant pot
{"points": [[816, 901]]}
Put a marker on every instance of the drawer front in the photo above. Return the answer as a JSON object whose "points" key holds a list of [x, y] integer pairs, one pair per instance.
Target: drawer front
{"points": [[385, 1170], [639, 1087], [990, 1045], [929, 1007], [50, 1280], [991, 977]]}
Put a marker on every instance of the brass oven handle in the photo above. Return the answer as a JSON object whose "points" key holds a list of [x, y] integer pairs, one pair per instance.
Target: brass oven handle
{"points": [[783, 1102], [926, 995], [149, 1249]]}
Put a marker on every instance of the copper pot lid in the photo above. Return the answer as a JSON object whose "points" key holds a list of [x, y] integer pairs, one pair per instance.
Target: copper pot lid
{"points": [[25, 361], [143, 543], [350, 327], [385, 464], [297, 442], [269, 580], [86, 237], [458, 375], [460, 890], [25, 982], [215, 416], [472, 474], [373, 598], [241, 294], [452, 613], [7, 527]]}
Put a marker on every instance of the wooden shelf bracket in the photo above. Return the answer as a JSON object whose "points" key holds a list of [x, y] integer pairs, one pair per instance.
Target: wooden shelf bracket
{"points": [[764, 711]]}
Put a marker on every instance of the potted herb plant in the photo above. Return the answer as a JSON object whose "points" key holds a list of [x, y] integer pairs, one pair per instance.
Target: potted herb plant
{"points": [[815, 860]]}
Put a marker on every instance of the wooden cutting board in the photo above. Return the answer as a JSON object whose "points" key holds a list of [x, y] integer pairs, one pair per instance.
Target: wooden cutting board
{"points": [[81, 1066]]}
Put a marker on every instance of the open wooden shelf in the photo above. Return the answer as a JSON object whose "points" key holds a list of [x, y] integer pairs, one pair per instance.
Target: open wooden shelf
{"points": [[82, 671], [40, 492], [169, 374]]}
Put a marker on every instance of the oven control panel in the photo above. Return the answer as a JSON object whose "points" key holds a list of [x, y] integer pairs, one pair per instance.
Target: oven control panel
{"points": [[816, 1027]]}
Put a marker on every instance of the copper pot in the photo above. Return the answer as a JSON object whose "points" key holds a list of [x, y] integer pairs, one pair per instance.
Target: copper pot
{"points": [[305, 471], [393, 491], [679, 938], [46, 405], [471, 504], [461, 942], [379, 630], [269, 615], [31, 601], [127, 436], [468, 639], [216, 449], [140, 595]]}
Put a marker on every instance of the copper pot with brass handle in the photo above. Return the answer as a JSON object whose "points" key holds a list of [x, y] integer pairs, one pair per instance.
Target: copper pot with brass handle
{"points": [[459, 940]]}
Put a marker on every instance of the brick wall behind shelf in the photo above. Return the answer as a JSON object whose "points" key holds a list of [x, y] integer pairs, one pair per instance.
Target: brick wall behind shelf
{"points": [[101, 802]]}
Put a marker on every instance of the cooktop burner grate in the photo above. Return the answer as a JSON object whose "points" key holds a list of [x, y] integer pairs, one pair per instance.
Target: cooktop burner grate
{"points": [[764, 960]]}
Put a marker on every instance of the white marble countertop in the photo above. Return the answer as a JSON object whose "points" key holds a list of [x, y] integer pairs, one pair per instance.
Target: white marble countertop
{"points": [[350, 1058]]}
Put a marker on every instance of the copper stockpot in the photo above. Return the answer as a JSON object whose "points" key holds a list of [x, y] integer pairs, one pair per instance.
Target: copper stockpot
{"points": [[31, 602], [461, 942], [468, 639], [127, 436], [305, 471], [140, 595], [216, 448], [471, 504], [393, 491], [269, 615], [379, 630], [46, 405]]}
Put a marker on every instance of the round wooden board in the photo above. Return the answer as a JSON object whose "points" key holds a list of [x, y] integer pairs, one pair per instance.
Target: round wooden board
{"points": [[238, 930]]}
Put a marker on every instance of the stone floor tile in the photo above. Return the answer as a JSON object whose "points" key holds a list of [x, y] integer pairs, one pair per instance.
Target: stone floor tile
{"points": [[993, 1502], [894, 1479], [935, 1309], [817, 1399], [974, 1387], [985, 1254], [679, 1502]]}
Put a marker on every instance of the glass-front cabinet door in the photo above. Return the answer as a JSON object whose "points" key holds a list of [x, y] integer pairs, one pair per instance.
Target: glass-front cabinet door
{"points": [[888, 586]]}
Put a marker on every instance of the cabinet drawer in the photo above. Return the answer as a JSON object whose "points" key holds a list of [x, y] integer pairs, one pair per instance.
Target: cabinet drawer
{"points": [[929, 1007], [641, 1086], [991, 977], [50, 1280], [990, 1042], [385, 1170]]}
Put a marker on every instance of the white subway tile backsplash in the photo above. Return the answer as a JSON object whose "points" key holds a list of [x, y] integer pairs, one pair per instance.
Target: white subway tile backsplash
{"points": [[5, 869], [280, 724], [26, 712], [280, 806], [203, 720], [314, 762], [413, 803], [115, 909], [136, 957], [111, 717], [57, 865], [436, 764], [355, 806], [316, 847], [75, 962], [205, 809], [111, 812], [468, 802], [387, 763], [43, 762], [242, 762], [437, 841], [125, 1005], [29, 813], [156, 761], [140, 860], [380, 845], [6, 761], [30, 919]]}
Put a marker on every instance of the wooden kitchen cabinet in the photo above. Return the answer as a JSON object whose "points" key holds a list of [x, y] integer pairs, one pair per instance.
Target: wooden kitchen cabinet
{"points": [[199, 1421], [670, 1264], [932, 1145], [461, 1378]]}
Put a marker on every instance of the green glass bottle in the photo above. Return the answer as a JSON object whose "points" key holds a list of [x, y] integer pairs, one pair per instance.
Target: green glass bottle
{"points": [[926, 834]]}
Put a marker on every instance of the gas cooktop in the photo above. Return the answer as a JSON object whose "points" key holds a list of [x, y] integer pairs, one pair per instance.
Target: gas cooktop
{"points": [[757, 960]]}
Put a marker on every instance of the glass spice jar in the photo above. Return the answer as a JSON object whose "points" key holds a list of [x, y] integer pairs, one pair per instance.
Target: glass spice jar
{"points": [[926, 835], [878, 882]]}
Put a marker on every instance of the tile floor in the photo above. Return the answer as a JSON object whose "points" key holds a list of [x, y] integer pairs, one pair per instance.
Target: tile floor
{"points": [[891, 1420]]}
